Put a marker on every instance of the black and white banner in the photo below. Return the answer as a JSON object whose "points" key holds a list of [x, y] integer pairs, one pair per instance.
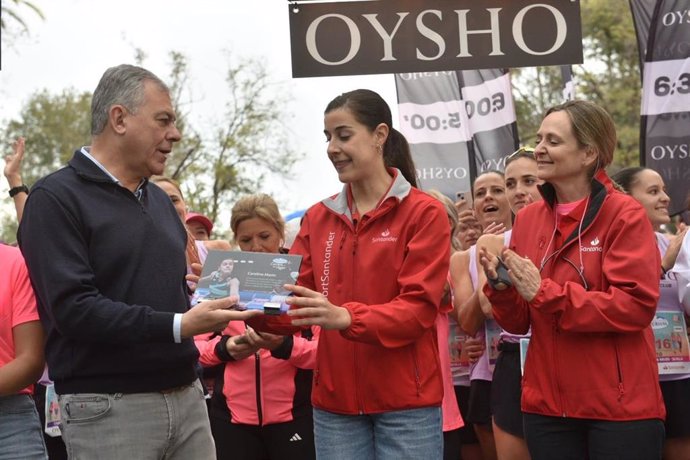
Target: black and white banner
{"points": [[568, 89], [457, 123], [488, 98], [642, 12], [365, 37], [665, 137]]}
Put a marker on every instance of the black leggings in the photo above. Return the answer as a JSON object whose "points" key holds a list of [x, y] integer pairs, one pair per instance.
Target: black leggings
{"points": [[451, 444], [579, 439], [280, 441]]}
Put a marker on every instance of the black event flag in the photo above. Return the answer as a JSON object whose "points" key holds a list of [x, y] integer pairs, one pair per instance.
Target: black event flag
{"points": [[665, 137], [488, 99], [568, 89], [642, 11], [458, 123]]}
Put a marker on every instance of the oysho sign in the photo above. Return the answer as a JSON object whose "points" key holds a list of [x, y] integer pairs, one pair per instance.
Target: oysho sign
{"points": [[366, 37]]}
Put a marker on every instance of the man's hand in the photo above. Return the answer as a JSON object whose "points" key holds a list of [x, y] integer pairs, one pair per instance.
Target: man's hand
{"points": [[213, 315]]}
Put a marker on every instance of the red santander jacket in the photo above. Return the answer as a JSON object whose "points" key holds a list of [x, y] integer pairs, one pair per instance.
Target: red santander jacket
{"points": [[592, 349], [388, 270]]}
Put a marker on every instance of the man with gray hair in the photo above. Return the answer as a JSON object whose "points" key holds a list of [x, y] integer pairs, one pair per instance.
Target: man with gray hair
{"points": [[106, 256]]}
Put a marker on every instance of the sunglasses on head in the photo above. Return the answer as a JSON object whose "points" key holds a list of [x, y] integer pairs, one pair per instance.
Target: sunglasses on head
{"points": [[522, 150]]}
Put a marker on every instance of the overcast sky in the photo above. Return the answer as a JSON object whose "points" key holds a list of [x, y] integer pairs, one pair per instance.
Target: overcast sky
{"points": [[79, 39]]}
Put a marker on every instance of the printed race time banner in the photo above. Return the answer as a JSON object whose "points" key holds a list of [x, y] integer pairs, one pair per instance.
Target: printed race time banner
{"points": [[457, 124], [665, 137], [434, 121], [367, 37]]}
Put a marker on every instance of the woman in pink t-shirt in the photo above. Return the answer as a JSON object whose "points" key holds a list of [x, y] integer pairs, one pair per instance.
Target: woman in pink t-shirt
{"points": [[21, 360]]}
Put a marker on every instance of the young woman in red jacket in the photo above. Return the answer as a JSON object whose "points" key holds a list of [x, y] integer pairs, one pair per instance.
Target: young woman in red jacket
{"points": [[375, 260], [582, 271]]}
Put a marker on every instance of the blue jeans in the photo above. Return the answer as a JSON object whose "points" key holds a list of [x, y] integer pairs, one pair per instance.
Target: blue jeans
{"points": [[21, 436], [405, 434], [142, 426]]}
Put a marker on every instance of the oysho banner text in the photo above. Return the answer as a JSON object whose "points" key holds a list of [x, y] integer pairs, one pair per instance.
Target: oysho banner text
{"points": [[367, 37]]}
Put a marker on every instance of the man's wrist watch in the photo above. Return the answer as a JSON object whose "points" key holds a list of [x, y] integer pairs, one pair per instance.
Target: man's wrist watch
{"points": [[19, 189]]}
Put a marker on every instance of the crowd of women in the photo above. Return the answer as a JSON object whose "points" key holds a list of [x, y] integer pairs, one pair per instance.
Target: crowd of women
{"points": [[529, 324]]}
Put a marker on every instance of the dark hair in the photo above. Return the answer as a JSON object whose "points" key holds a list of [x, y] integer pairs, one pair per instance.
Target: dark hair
{"points": [[625, 178], [371, 110], [489, 171]]}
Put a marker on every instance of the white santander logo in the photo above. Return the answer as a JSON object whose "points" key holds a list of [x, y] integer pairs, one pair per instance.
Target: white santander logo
{"points": [[385, 237], [594, 246]]}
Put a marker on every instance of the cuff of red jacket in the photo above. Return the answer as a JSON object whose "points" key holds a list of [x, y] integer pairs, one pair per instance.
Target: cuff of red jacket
{"points": [[545, 302], [356, 327]]}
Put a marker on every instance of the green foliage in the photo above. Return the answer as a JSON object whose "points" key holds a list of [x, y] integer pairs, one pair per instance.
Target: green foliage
{"points": [[214, 164], [249, 142], [8, 230], [535, 89], [54, 126], [610, 77]]}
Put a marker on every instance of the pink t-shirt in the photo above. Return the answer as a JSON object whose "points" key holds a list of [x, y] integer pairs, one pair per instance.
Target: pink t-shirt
{"points": [[452, 419], [17, 302]]}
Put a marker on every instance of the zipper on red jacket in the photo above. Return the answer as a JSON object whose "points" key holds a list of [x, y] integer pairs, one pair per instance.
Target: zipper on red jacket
{"points": [[621, 389], [259, 410], [555, 366], [417, 380], [360, 404]]}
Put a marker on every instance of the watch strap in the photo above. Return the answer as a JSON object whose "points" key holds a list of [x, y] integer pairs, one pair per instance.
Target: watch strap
{"points": [[19, 189]]}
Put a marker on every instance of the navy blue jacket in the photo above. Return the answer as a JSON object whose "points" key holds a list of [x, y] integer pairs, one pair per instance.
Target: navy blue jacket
{"points": [[108, 270]]}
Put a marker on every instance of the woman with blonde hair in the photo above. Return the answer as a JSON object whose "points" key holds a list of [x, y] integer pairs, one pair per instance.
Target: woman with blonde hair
{"points": [[261, 406]]}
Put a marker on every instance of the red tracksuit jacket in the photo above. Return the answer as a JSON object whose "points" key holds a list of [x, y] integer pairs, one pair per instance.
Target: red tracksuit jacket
{"points": [[592, 349], [388, 270]]}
